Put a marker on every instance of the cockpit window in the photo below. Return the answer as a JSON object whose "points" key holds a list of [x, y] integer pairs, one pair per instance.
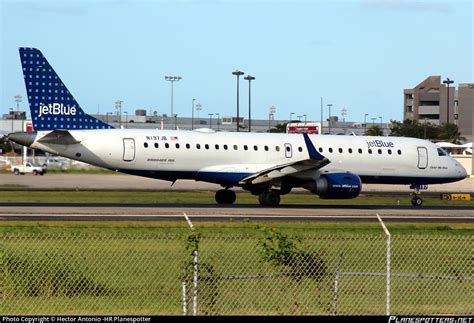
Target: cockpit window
{"points": [[442, 152]]}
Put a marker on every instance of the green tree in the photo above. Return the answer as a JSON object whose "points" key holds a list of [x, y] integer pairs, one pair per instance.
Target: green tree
{"points": [[375, 130], [450, 132], [279, 128]]}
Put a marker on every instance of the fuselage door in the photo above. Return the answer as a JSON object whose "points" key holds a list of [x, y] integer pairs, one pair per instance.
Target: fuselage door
{"points": [[128, 149], [288, 151], [422, 157]]}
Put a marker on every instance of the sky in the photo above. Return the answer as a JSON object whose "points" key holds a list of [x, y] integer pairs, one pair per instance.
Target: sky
{"points": [[357, 55]]}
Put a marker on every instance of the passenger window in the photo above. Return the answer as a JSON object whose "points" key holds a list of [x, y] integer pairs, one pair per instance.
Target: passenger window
{"points": [[320, 149], [266, 148], [188, 146], [156, 145], [145, 145], [246, 147], [217, 147], [177, 146], [288, 149], [360, 150], [300, 149], [277, 148], [389, 151], [198, 146], [206, 146], [380, 151], [225, 147], [236, 147], [399, 152], [340, 150], [330, 150], [370, 151], [350, 150], [167, 145], [255, 148]]}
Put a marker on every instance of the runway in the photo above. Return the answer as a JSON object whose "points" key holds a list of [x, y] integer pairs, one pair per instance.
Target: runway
{"points": [[245, 212]]}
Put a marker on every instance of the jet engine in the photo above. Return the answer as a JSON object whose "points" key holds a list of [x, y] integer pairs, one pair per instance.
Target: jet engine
{"points": [[335, 186]]}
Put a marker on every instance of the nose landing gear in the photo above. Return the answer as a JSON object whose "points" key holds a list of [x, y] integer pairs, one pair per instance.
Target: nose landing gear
{"points": [[416, 200]]}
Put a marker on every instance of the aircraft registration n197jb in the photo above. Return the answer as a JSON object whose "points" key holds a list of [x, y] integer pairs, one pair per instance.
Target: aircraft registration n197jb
{"points": [[266, 164]]}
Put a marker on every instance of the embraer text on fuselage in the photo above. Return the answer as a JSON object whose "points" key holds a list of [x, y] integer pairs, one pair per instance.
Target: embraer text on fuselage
{"points": [[57, 109], [380, 143]]}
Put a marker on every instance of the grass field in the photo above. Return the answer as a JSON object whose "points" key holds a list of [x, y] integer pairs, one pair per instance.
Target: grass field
{"points": [[112, 268], [204, 197]]}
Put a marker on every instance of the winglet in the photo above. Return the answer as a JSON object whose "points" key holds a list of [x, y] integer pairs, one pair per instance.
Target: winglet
{"points": [[313, 153]]}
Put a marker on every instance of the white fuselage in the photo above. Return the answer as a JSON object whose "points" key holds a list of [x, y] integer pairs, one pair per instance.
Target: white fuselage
{"points": [[224, 158]]}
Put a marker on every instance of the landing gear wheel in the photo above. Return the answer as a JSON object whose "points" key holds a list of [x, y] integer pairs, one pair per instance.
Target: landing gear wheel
{"points": [[225, 197], [270, 198], [416, 201]]}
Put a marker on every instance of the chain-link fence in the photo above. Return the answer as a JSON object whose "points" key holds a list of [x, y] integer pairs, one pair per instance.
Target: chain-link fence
{"points": [[265, 272]]}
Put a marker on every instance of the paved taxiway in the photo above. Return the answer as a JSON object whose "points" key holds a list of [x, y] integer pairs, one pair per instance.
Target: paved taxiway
{"points": [[212, 212]]}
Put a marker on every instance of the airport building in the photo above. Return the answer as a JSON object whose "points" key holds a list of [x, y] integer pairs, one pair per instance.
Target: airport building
{"points": [[435, 101]]}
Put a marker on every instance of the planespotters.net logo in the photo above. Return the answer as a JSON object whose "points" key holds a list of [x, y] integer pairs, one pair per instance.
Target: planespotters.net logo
{"points": [[57, 109], [420, 319]]}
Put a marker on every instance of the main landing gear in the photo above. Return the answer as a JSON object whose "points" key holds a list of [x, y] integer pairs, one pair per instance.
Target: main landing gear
{"points": [[225, 196], [269, 198], [416, 200]]}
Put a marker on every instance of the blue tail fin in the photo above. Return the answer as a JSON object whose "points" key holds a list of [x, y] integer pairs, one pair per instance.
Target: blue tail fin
{"points": [[52, 105]]}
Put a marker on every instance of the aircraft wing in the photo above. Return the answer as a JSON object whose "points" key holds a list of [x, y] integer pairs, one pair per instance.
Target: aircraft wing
{"points": [[59, 137], [315, 161]]}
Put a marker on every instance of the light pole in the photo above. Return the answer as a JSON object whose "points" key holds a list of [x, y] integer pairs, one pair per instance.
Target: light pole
{"points": [[329, 122], [447, 82], [373, 121], [381, 128], [271, 113], [299, 118], [238, 73], [118, 106], [250, 79], [126, 119], [365, 120], [304, 115], [198, 108], [18, 100], [12, 116], [321, 130], [172, 79], [291, 115], [192, 114], [218, 123], [210, 119]]}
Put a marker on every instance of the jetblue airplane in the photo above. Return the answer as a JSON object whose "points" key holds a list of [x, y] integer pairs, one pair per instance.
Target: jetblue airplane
{"points": [[267, 165]]}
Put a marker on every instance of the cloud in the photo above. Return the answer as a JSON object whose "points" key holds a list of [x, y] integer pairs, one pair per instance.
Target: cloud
{"points": [[409, 6]]}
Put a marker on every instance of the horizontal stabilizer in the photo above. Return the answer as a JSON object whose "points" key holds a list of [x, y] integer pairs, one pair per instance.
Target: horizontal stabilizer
{"points": [[59, 137]]}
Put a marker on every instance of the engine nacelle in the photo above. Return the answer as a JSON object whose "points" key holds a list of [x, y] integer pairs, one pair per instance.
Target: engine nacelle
{"points": [[336, 186]]}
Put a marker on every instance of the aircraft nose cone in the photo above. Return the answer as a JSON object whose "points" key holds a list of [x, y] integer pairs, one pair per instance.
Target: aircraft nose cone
{"points": [[23, 138]]}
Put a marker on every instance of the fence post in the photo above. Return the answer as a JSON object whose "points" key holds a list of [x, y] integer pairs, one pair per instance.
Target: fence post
{"points": [[336, 285], [185, 298], [389, 238], [195, 268]]}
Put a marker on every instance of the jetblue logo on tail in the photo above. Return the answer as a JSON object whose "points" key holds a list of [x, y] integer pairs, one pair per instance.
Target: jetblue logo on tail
{"points": [[49, 98], [56, 109]]}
